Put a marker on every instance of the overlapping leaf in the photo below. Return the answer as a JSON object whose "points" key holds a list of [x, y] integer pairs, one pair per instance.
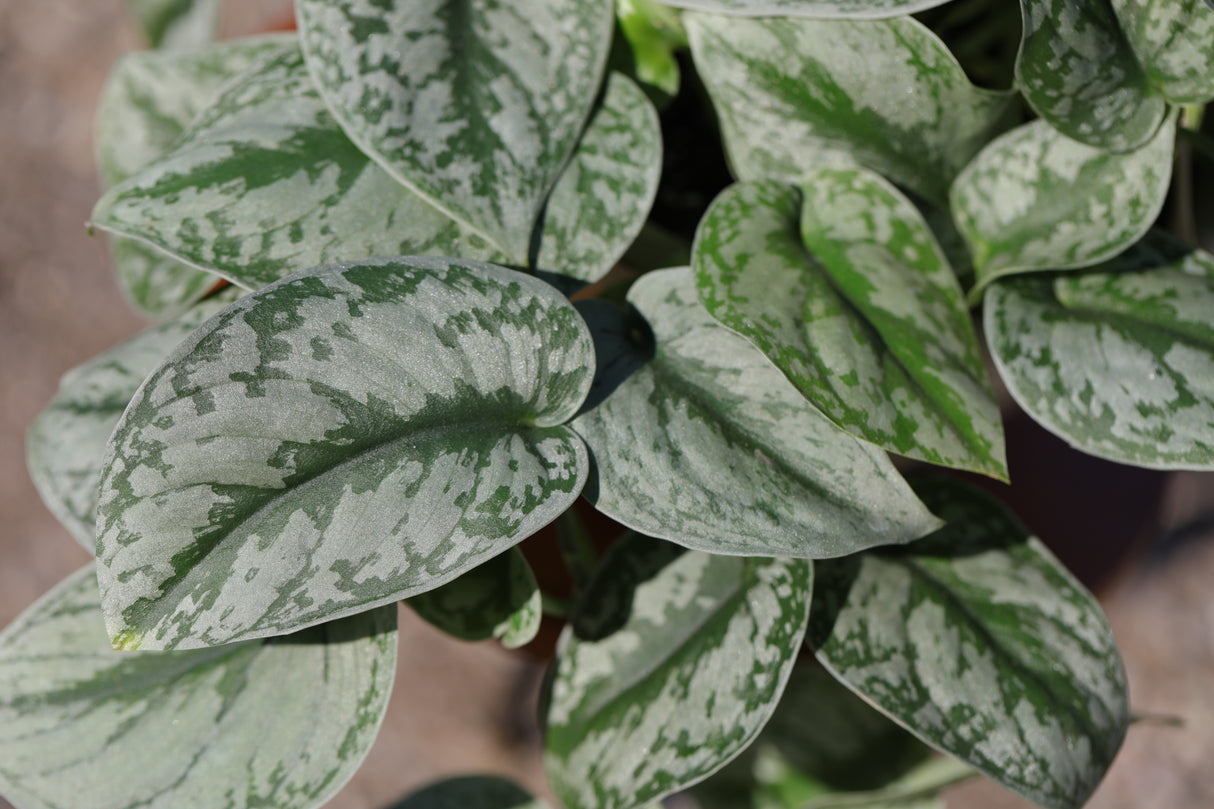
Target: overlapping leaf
{"points": [[824, 9], [1078, 72], [471, 792], [1118, 361], [174, 24], [279, 723], [1037, 200], [1173, 41], [796, 95], [66, 443], [347, 437], [671, 666], [843, 287], [708, 446], [477, 106], [980, 643]]}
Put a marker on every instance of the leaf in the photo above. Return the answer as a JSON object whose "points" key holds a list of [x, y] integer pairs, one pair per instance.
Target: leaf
{"points": [[471, 792], [66, 443], [670, 667], [177, 24], [648, 37], [1119, 361], [826, 9], [859, 309], [1037, 200], [708, 446], [280, 723], [981, 644], [347, 437], [476, 106], [920, 789], [792, 97], [1076, 70], [1174, 43], [499, 599], [147, 102], [604, 195]]}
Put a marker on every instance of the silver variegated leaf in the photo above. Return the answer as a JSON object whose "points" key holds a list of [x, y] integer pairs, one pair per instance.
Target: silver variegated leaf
{"points": [[67, 442], [471, 792], [707, 445], [823, 9], [672, 664], [477, 106], [1036, 200], [843, 287], [346, 437], [177, 24], [1076, 70], [280, 723], [1174, 43], [499, 599], [1119, 361], [980, 643], [794, 95]]}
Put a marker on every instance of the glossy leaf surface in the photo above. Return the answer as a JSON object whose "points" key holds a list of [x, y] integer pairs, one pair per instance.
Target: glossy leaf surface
{"points": [[979, 642], [177, 24], [1118, 361], [1174, 42], [471, 792], [708, 446], [66, 443], [671, 666], [843, 287], [826, 9], [499, 599], [477, 106], [1037, 200], [796, 95], [347, 437], [280, 723], [1076, 70]]}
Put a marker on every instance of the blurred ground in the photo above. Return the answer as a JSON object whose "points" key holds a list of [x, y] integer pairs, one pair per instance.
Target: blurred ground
{"points": [[456, 707]]}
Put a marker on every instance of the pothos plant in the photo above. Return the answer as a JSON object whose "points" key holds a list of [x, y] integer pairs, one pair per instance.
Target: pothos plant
{"points": [[392, 345]]}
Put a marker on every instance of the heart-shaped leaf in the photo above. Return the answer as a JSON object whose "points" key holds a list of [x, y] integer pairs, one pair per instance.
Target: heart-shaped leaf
{"points": [[471, 792], [707, 445], [981, 644], [792, 97], [1076, 70], [671, 666], [347, 437], [66, 443], [1036, 200], [843, 287], [824, 9], [1118, 361], [499, 599], [1174, 43], [280, 723], [177, 24], [477, 106]]}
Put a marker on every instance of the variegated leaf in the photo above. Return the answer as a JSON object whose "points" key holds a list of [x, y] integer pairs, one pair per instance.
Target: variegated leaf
{"points": [[793, 96], [843, 287], [147, 103], [1119, 361], [280, 723], [344, 438], [708, 446], [672, 664], [66, 443], [499, 599], [471, 792], [477, 106], [1036, 200], [979, 642], [177, 24], [823, 9], [1076, 70], [604, 195], [1174, 43]]}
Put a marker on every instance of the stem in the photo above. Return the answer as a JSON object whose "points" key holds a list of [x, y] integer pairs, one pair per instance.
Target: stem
{"points": [[924, 783], [555, 606], [576, 549]]}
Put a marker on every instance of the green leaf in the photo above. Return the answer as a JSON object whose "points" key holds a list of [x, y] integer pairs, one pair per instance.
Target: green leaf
{"points": [[1119, 361], [708, 446], [671, 666], [280, 723], [920, 789], [477, 106], [1174, 43], [66, 443], [347, 437], [499, 599], [792, 98], [177, 24], [1037, 200], [843, 287], [649, 36], [825, 9], [980, 643], [471, 792], [1076, 70]]}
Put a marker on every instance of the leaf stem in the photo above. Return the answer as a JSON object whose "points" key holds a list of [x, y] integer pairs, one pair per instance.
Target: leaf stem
{"points": [[577, 549]]}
